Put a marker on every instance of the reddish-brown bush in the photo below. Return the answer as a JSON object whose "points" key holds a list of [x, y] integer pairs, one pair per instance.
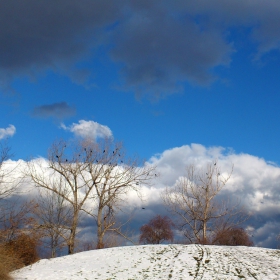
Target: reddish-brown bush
{"points": [[8, 263], [157, 230], [24, 248], [232, 237]]}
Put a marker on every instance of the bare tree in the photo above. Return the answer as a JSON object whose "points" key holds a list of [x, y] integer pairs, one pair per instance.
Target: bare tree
{"points": [[193, 200], [157, 230], [16, 219], [54, 218], [8, 182], [278, 241], [93, 173], [114, 176]]}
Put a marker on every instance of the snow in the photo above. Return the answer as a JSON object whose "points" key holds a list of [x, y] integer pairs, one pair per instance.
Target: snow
{"points": [[159, 262]]}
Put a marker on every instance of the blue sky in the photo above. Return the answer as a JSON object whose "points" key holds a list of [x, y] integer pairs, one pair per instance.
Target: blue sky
{"points": [[176, 81], [157, 74]]}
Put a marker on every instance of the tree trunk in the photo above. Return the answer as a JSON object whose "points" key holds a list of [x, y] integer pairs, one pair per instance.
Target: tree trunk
{"points": [[100, 233], [72, 237], [204, 232]]}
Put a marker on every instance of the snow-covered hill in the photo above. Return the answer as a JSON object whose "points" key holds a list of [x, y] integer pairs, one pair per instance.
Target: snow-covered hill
{"points": [[159, 262]]}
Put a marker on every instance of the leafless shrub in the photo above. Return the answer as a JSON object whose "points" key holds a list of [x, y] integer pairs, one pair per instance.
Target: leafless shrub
{"points": [[232, 237], [8, 263], [23, 248]]}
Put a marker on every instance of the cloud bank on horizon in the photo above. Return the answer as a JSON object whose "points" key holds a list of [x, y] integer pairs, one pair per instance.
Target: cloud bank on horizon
{"points": [[157, 45], [254, 183]]}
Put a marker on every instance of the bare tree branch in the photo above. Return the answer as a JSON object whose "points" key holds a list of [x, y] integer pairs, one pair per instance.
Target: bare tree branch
{"points": [[93, 173], [193, 201]]}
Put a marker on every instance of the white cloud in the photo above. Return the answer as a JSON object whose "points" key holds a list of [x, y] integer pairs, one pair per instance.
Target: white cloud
{"points": [[255, 182], [7, 132], [89, 129]]}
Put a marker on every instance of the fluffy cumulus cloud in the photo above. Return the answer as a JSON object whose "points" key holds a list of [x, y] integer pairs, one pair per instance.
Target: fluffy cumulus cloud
{"points": [[7, 132], [254, 182], [89, 129], [59, 111], [159, 45]]}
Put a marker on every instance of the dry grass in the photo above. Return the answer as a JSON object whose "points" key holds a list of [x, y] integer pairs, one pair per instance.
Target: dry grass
{"points": [[8, 263], [16, 254]]}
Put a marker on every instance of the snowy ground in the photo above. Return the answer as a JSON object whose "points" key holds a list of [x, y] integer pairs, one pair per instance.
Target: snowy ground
{"points": [[159, 262]]}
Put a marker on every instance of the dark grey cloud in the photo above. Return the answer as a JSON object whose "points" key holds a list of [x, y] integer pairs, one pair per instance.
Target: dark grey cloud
{"points": [[159, 50], [56, 110], [37, 35], [160, 45], [262, 17]]}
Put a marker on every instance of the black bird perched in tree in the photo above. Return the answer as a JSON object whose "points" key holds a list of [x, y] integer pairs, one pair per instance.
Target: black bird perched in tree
{"points": [[103, 151], [56, 156]]}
